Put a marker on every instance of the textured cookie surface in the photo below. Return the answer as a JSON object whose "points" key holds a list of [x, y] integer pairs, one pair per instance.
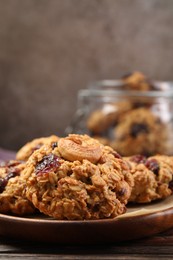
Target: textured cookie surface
{"points": [[153, 177], [140, 132], [78, 179], [24, 153], [12, 189], [102, 119]]}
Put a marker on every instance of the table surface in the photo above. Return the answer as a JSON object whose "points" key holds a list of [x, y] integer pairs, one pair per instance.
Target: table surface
{"points": [[155, 247]]}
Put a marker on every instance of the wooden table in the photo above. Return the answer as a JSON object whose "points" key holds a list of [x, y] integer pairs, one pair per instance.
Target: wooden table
{"points": [[157, 247]]}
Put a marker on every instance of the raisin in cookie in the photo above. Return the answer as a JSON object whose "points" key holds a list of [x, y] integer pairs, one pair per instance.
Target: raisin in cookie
{"points": [[153, 178], [12, 188], [24, 153], [78, 179]]}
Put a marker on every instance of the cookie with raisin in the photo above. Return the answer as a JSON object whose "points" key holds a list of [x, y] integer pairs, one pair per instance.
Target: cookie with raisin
{"points": [[78, 179], [153, 178], [12, 189], [99, 121], [24, 153], [140, 131]]}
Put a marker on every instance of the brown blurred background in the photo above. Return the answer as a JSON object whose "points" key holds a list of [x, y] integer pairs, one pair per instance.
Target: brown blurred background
{"points": [[49, 49]]}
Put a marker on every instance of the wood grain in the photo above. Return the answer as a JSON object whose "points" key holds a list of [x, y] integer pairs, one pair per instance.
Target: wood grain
{"points": [[156, 247]]}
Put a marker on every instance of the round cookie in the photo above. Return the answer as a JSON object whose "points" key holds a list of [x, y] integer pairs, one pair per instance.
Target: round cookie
{"points": [[136, 81], [99, 121], [78, 179], [12, 187], [140, 132], [153, 178], [24, 153]]}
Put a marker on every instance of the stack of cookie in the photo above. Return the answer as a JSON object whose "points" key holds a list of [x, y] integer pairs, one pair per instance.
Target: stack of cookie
{"points": [[138, 120], [13, 199], [76, 177]]}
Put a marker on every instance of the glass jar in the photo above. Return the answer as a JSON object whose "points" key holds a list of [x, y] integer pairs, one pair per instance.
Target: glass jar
{"points": [[131, 119]]}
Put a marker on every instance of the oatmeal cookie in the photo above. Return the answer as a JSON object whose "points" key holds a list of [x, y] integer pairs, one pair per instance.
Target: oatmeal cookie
{"points": [[24, 153], [140, 132], [78, 179], [12, 187], [99, 121], [153, 178], [136, 81]]}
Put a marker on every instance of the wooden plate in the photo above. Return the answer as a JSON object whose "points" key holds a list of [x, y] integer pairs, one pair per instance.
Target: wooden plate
{"points": [[138, 222]]}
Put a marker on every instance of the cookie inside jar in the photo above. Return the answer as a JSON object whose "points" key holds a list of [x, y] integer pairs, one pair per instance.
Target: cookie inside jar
{"points": [[134, 114]]}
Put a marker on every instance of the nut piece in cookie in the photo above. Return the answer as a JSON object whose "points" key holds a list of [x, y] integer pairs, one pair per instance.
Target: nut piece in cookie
{"points": [[153, 178], [12, 188], [75, 148], [24, 153], [78, 179]]}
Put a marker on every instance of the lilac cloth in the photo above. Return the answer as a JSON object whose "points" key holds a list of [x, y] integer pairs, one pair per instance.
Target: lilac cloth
{"points": [[6, 155]]}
